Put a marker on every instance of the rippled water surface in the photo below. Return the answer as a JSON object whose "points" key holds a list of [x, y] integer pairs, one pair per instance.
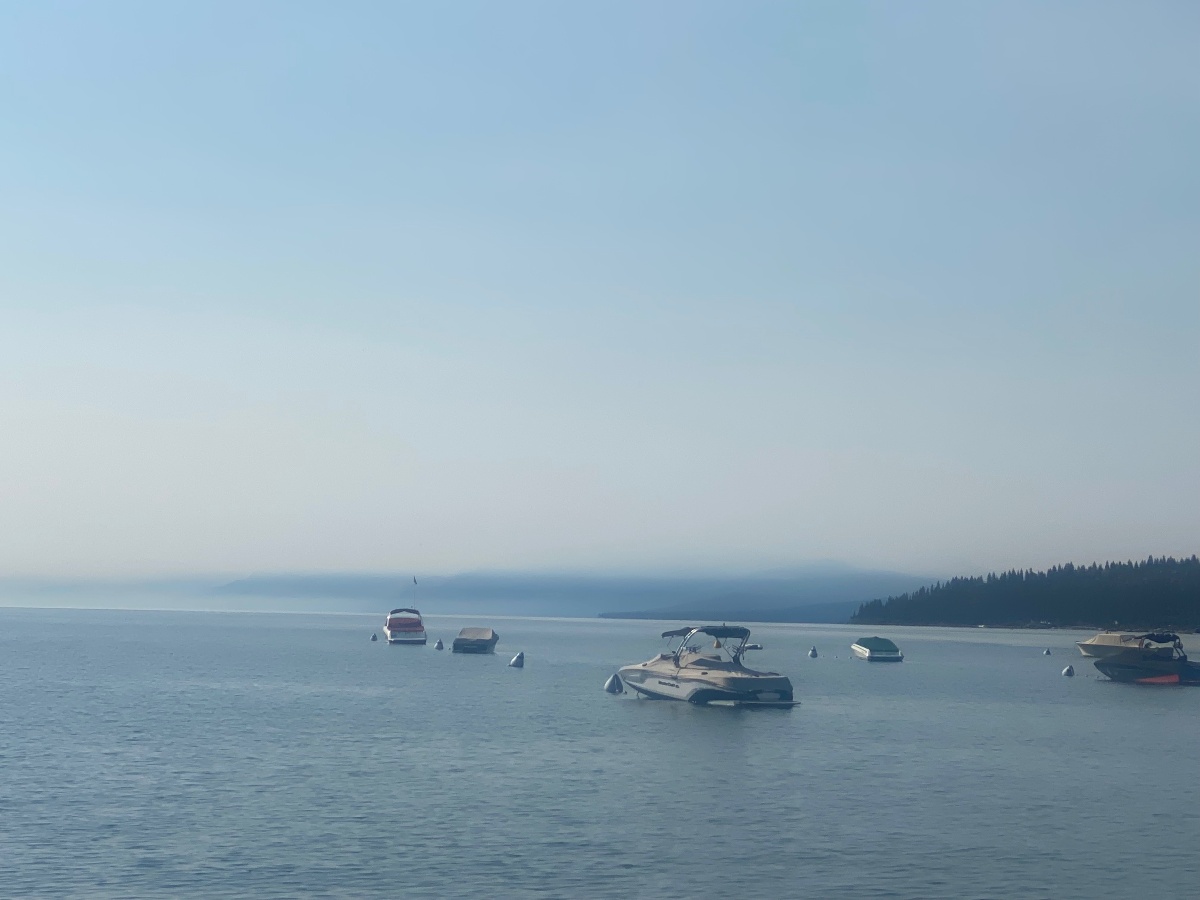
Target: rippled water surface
{"points": [[163, 754]]}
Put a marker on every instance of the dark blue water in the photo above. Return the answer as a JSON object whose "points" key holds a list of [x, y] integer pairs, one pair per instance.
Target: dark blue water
{"points": [[163, 754]]}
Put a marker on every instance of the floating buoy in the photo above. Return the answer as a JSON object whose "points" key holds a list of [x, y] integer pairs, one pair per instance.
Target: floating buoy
{"points": [[812, 652], [438, 645], [374, 636], [1069, 671], [518, 661], [1046, 652], [613, 685]]}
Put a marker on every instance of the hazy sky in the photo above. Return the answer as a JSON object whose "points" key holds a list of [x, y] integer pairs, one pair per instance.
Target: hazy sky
{"points": [[444, 286]]}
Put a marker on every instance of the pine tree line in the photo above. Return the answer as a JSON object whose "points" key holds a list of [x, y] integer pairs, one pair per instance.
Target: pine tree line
{"points": [[1154, 593]]}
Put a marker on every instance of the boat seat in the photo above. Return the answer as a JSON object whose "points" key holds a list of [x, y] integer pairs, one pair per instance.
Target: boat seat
{"points": [[709, 662]]}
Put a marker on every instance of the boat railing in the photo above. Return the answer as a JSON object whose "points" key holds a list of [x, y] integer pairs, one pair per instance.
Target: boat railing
{"points": [[735, 653]]}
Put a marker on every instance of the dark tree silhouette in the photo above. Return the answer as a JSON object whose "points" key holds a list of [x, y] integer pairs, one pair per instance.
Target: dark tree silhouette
{"points": [[1155, 593]]}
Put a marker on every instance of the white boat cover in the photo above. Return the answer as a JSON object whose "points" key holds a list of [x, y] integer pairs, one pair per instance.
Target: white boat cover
{"points": [[477, 634]]}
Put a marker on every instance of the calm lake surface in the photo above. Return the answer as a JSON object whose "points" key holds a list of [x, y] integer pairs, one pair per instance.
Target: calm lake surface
{"points": [[167, 754]]}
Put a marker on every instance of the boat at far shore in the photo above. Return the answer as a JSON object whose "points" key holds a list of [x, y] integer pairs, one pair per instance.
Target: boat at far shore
{"points": [[1159, 660], [404, 626], [877, 649]]}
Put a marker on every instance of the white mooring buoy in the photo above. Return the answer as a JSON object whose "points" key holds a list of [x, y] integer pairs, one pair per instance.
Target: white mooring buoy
{"points": [[613, 685], [374, 636], [1069, 671], [1046, 652], [438, 645], [518, 661], [812, 652]]}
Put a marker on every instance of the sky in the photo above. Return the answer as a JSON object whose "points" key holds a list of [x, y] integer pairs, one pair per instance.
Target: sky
{"points": [[597, 286]]}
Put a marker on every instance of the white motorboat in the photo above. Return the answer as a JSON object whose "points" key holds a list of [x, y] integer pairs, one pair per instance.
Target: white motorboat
{"points": [[877, 649], [404, 626], [708, 675], [1110, 643]]}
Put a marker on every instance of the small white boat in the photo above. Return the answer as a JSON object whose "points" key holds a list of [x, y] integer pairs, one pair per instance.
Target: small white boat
{"points": [[877, 649], [1109, 643], [404, 626]]}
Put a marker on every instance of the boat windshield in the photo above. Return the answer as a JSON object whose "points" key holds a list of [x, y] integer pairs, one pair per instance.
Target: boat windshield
{"points": [[404, 620], [1162, 637], [1171, 640], [728, 638]]}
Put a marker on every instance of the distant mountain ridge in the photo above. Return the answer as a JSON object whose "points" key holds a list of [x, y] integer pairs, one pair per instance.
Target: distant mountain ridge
{"points": [[820, 594], [823, 592], [1155, 593]]}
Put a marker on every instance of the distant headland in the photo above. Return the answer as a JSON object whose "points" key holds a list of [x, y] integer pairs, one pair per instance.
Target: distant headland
{"points": [[1130, 596]]}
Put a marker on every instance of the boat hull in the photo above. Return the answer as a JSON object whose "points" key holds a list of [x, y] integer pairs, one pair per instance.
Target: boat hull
{"points": [[402, 637], [749, 690], [877, 655], [1101, 651], [1136, 668], [462, 645]]}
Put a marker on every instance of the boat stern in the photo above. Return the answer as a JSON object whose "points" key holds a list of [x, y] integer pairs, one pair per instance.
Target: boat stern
{"points": [[758, 690]]}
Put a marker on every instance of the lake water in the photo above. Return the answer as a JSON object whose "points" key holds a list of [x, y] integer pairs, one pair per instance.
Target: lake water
{"points": [[166, 754]]}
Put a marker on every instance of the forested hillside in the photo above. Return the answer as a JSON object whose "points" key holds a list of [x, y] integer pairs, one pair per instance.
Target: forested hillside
{"points": [[1155, 593]]}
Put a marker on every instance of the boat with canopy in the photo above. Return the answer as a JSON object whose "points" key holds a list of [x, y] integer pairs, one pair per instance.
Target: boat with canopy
{"points": [[1159, 660], [704, 675]]}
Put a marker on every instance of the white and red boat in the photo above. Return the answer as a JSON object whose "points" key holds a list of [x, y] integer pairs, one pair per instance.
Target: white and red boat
{"points": [[404, 626]]}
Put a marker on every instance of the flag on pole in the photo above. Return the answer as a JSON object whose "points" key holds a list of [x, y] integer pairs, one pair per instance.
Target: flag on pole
{"points": [[414, 579]]}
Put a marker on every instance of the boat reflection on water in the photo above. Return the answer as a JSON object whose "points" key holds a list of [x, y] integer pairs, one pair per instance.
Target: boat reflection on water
{"points": [[1159, 659]]}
